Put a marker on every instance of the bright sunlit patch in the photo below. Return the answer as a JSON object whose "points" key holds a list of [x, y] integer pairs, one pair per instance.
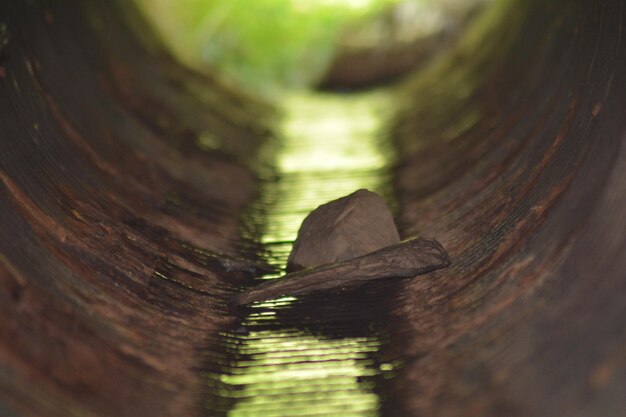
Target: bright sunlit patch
{"points": [[277, 302], [351, 4], [331, 140], [331, 149]]}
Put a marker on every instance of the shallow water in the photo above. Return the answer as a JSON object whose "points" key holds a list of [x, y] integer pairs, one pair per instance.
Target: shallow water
{"points": [[316, 355]]}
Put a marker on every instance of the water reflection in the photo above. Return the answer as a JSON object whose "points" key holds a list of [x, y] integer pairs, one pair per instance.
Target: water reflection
{"points": [[313, 356]]}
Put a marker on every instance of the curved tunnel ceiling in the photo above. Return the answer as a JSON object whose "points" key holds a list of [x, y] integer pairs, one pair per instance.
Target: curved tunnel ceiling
{"points": [[126, 180]]}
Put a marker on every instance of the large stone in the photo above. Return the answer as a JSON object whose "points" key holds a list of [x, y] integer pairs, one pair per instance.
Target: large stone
{"points": [[343, 229]]}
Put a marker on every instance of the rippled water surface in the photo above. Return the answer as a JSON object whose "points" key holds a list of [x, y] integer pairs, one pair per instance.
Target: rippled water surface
{"points": [[314, 356]]}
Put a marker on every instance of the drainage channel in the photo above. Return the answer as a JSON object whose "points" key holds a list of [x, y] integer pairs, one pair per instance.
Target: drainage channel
{"points": [[315, 356]]}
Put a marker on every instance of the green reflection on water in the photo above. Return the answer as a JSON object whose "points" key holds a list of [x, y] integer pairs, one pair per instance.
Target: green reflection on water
{"points": [[331, 147]]}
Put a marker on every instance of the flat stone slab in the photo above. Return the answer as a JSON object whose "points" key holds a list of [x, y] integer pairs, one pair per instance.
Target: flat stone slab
{"points": [[410, 258]]}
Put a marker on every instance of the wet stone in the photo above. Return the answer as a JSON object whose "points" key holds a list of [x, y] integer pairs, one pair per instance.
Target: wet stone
{"points": [[343, 229]]}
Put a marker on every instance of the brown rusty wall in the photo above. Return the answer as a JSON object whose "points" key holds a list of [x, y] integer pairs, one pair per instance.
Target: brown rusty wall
{"points": [[115, 224], [514, 157]]}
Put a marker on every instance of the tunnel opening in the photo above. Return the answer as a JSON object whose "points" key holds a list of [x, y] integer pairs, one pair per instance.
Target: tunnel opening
{"points": [[139, 195], [293, 44]]}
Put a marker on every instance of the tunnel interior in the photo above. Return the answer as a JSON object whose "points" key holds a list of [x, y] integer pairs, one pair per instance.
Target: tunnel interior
{"points": [[139, 195]]}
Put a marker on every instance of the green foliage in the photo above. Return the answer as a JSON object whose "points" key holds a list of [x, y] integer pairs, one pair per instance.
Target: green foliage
{"points": [[261, 44]]}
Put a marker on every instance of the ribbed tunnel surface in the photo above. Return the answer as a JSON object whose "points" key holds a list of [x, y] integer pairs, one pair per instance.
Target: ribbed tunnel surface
{"points": [[138, 197]]}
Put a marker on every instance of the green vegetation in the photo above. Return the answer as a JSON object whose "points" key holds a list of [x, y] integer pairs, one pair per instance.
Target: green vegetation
{"points": [[260, 44]]}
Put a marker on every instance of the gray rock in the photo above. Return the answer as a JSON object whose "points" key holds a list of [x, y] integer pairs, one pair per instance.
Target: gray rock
{"points": [[343, 229]]}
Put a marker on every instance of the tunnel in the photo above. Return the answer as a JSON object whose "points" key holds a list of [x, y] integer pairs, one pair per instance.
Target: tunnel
{"points": [[139, 195]]}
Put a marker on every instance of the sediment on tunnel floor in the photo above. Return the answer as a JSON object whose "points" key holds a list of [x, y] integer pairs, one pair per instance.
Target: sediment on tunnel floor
{"points": [[125, 178]]}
